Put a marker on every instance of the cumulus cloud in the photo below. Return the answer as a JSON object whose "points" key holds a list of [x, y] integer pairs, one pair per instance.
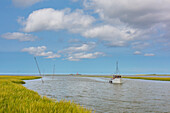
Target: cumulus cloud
{"points": [[149, 54], [19, 36], [80, 48], [41, 51], [136, 13], [137, 53], [71, 53], [25, 3], [83, 55], [150, 21], [76, 53], [51, 19], [121, 23], [140, 45], [115, 36]]}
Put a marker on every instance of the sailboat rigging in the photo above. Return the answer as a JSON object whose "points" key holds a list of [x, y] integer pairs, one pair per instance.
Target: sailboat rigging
{"points": [[38, 69], [116, 77]]}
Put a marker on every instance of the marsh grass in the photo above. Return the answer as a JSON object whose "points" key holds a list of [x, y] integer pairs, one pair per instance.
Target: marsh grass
{"points": [[145, 78], [15, 98], [150, 78], [152, 75]]}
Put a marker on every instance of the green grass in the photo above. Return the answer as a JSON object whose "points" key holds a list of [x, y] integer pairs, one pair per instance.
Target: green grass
{"points": [[145, 78], [152, 75], [150, 78], [18, 79], [15, 98]]}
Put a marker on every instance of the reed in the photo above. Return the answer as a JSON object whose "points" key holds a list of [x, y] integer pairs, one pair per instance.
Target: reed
{"points": [[145, 78], [15, 98], [150, 78], [152, 75]]}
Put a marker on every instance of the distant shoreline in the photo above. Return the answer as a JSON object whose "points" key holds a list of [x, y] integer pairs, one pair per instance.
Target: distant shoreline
{"points": [[89, 74], [158, 77], [83, 75]]}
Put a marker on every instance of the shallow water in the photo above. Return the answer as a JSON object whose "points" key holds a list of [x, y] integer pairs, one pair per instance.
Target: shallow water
{"points": [[137, 96]]}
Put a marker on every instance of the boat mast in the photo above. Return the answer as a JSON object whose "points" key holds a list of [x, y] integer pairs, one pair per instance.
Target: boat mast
{"points": [[38, 68], [117, 69]]}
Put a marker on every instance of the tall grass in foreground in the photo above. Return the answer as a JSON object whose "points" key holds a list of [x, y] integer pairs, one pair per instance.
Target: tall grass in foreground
{"points": [[15, 98]]}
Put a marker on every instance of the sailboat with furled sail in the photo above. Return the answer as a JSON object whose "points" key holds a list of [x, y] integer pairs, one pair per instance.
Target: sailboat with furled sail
{"points": [[117, 78]]}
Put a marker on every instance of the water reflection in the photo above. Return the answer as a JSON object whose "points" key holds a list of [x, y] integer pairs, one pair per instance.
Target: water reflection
{"points": [[98, 94]]}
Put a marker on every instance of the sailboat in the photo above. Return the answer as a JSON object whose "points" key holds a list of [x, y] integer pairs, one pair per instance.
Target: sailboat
{"points": [[117, 78]]}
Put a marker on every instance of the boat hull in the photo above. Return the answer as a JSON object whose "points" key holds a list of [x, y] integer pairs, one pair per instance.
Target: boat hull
{"points": [[116, 81]]}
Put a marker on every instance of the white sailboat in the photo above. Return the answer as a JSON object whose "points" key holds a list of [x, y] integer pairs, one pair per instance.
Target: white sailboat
{"points": [[117, 78]]}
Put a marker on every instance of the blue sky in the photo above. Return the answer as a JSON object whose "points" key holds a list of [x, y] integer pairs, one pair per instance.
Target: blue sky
{"points": [[85, 36]]}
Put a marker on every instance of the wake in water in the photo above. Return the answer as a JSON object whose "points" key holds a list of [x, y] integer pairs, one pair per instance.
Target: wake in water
{"points": [[98, 79]]}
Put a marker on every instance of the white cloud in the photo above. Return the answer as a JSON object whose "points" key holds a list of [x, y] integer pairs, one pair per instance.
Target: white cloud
{"points": [[25, 3], [114, 36], [140, 45], [51, 19], [137, 53], [76, 53], [136, 13], [81, 48], [149, 21], [74, 0], [149, 54], [19, 36], [70, 54], [40, 51], [83, 55]]}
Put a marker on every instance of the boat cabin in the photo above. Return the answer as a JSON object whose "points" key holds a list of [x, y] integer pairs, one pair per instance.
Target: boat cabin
{"points": [[116, 76]]}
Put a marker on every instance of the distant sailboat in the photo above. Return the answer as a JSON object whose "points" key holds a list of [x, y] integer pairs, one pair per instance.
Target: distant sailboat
{"points": [[117, 78]]}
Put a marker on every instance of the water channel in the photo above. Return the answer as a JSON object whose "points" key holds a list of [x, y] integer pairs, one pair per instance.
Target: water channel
{"points": [[134, 95]]}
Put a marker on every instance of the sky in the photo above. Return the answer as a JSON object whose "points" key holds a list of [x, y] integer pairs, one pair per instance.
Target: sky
{"points": [[85, 36]]}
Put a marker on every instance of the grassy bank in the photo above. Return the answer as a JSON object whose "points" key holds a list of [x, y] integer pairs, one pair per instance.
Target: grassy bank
{"points": [[145, 78], [15, 98], [150, 78], [152, 75], [17, 79]]}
